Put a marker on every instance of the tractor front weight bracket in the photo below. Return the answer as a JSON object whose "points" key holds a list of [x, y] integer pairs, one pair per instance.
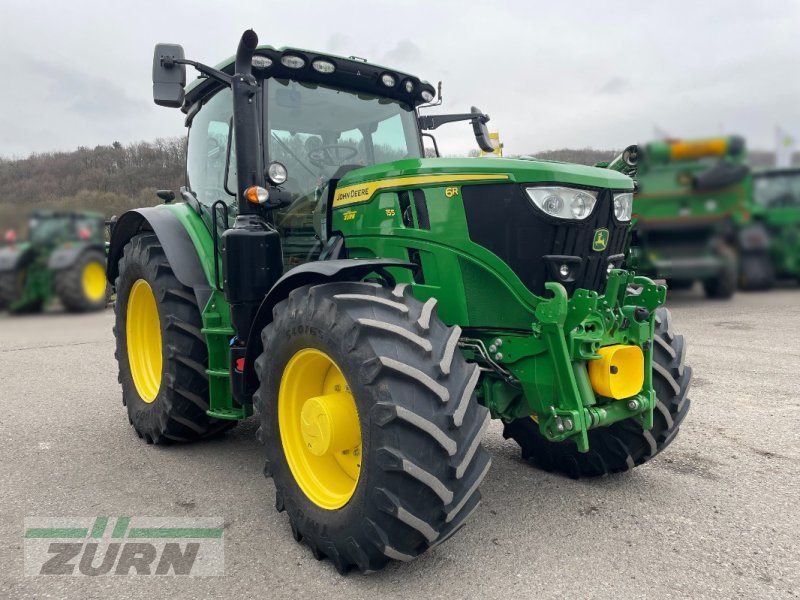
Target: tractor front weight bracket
{"points": [[568, 419], [548, 370]]}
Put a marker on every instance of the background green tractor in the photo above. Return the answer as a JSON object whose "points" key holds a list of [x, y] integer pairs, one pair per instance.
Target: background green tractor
{"points": [[770, 239], [691, 200], [375, 308], [64, 257]]}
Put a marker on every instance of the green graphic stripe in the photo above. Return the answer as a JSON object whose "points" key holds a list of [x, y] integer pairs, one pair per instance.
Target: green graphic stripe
{"points": [[56, 532], [99, 527], [175, 532], [120, 527]]}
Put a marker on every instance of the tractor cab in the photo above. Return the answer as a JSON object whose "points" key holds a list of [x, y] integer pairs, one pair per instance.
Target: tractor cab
{"points": [[58, 228], [320, 117]]}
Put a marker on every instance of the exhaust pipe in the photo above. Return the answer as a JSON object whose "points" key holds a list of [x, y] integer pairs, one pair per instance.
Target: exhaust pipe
{"points": [[245, 122], [244, 53]]}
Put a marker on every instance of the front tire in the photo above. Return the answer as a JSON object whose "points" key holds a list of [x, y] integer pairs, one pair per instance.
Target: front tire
{"points": [[161, 352], [10, 288], [623, 445], [419, 426], [82, 287]]}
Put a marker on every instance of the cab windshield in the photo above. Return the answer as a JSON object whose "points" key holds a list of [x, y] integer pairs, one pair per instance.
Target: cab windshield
{"points": [[315, 131], [51, 229], [778, 191]]}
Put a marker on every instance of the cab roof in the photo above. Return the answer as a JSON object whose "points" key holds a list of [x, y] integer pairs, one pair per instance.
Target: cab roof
{"points": [[351, 73]]}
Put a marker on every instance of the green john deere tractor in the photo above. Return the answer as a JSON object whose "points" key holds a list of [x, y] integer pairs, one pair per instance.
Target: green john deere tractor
{"points": [[770, 238], [375, 308], [688, 210], [64, 257]]}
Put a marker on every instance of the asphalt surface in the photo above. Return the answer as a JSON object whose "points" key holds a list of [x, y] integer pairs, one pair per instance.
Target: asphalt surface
{"points": [[714, 516]]}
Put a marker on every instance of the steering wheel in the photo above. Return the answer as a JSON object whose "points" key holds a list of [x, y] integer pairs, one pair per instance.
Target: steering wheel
{"points": [[331, 155]]}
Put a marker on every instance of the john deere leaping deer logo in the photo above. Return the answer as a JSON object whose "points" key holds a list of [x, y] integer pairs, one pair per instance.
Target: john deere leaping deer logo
{"points": [[600, 240]]}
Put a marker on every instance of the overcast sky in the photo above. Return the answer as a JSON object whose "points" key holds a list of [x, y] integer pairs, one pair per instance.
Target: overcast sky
{"points": [[550, 74]]}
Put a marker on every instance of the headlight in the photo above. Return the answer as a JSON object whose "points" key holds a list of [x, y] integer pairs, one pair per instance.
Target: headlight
{"points": [[623, 206], [277, 173], [564, 203]]}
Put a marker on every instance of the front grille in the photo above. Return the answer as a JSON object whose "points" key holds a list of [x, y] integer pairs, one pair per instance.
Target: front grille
{"points": [[502, 219]]}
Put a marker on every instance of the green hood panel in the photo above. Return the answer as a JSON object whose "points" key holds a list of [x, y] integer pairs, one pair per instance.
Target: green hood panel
{"points": [[516, 170]]}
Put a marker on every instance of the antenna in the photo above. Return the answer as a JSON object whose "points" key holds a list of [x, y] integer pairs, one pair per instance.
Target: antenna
{"points": [[438, 98]]}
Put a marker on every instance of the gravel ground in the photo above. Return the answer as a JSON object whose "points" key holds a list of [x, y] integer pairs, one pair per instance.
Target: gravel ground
{"points": [[715, 516]]}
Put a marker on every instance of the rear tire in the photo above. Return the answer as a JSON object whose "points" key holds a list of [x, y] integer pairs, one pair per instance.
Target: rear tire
{"points": [[9, 288], [12, 288], [77, 286], [623, 445], [724, 285], [177, 410], [420, 426], [757, 271]]}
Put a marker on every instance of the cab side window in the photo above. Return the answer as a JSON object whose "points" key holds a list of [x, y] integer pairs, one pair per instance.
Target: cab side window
{"points": [[207, 152]]}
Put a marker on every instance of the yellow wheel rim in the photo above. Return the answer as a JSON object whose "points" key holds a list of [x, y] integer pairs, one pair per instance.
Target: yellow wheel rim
{"points": [[320, 429], [93, 280], [143, 331]]}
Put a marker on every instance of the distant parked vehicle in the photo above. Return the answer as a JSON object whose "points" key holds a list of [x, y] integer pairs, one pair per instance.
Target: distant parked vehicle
{"points": [[64, 257], [689, 209], [770, 242]]}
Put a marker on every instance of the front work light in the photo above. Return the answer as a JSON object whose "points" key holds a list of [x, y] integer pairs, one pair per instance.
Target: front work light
{"points": [[261, 62], [292, 61], [562, 202], [323, 66]]}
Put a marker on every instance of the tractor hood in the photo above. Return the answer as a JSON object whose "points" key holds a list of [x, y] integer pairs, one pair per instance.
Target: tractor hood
{"points": [[523, 170]]}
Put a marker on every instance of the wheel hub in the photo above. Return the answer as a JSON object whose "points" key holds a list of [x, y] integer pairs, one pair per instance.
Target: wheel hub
{"points": [[329, 424], [319, 428], [93, 281], [143, 333]]}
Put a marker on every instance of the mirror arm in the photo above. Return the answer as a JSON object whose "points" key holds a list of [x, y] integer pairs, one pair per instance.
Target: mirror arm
{"points": [[168, 62]]}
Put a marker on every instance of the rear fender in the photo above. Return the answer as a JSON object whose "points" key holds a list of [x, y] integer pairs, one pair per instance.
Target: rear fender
{"points": [[63, 258], [12, 259]]}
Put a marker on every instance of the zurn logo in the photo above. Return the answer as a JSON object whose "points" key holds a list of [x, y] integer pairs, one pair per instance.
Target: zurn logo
{"points": [[96, 546]]}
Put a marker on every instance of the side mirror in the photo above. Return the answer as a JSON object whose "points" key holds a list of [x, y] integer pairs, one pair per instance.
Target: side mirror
{"points": [[631, 155], [480, 130], [166, 195], [169, 77]]}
